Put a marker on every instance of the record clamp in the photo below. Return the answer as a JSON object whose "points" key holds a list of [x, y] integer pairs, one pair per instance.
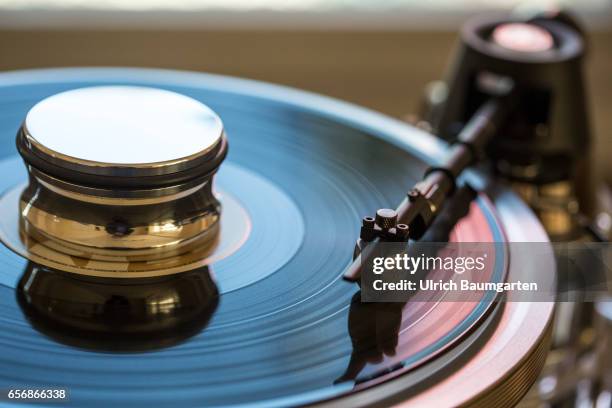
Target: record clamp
{"points": [[121, 173]]}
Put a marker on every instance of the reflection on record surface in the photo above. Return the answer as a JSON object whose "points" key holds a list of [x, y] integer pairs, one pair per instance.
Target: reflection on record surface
{"points": [[283, 329]]}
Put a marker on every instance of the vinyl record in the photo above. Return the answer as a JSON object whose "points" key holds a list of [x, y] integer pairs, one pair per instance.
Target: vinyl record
{"points": [[285, 330]]}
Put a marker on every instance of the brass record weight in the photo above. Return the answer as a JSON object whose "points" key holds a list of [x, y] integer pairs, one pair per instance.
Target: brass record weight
{"points": [[126, 191]]}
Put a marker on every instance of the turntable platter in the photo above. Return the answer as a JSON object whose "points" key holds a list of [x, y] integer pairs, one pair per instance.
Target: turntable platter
{"points": [[303, 169]]}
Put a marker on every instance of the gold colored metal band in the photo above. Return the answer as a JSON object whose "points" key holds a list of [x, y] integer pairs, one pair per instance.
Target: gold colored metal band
{"points": [[93, 239], [119, 200]]}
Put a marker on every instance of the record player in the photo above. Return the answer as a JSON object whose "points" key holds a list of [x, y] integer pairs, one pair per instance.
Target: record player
{"points": [[186, 239]]}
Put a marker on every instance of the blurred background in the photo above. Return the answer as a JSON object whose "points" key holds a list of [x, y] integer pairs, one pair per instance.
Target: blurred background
{"points": [[376, 53]]}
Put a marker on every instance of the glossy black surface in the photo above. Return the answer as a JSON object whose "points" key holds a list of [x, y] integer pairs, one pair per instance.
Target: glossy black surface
{"points": [[284, 338], [117, 314]]}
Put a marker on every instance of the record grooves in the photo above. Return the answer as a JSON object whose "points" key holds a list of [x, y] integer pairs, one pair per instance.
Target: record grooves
{"points": [[286, 329]]}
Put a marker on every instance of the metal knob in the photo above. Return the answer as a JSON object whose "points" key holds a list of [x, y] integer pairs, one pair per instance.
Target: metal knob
{"points": [[402, 232], [386, 218]]}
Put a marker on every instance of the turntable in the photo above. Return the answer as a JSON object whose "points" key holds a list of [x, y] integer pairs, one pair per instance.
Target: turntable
{"points": [[185, 239]]}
